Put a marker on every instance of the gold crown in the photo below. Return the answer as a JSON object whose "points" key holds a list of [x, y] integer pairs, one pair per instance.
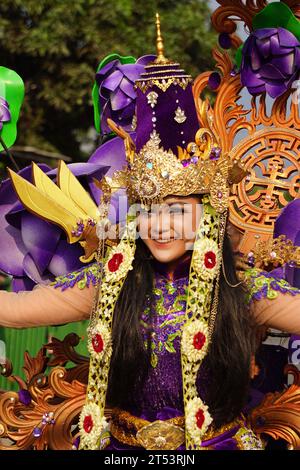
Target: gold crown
{"points": [[155, 173]]}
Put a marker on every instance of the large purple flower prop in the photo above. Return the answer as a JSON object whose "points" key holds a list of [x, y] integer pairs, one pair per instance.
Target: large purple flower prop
{"points": [[5, 115], [33, 250], [270, 61], [116, 91]]}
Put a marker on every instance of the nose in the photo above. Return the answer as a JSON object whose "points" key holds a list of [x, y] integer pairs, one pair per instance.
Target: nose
{"points": [[160, 228]]}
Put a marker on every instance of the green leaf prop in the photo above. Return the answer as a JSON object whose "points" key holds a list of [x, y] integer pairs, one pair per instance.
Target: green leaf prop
{"points": [[12, 90], [277, 15]]}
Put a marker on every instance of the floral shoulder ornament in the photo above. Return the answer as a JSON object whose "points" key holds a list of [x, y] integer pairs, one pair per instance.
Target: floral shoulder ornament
{"points": [[82, 277], [261, 284]]}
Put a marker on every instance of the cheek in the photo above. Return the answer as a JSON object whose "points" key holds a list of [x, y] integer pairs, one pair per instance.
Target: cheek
{"points": [[143, 226], [185, 227]]}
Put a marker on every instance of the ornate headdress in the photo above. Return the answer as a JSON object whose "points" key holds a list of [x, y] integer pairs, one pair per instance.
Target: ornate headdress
{"points": [[171, 154]]}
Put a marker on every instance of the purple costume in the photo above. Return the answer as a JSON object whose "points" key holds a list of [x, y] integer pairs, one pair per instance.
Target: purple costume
{"points": [[161, 396]]}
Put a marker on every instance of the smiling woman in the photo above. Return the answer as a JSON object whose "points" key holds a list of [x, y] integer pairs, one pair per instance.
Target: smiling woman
{"points": [[169, 229]]}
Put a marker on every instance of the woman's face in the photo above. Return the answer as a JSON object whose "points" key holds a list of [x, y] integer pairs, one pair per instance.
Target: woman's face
{"points": [[169, 229]]}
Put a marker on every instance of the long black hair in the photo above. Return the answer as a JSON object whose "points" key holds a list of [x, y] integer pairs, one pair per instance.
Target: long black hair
{"points": [[229, 356]]}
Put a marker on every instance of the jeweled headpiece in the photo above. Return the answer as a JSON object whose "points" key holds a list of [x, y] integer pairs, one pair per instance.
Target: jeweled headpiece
{"points": [[171, 154]]}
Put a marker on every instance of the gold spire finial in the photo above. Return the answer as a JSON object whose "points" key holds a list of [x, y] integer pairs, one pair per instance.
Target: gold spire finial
{"points": [[159, 44]]}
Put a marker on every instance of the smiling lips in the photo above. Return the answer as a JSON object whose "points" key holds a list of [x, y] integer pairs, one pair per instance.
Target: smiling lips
{"points": [[163, 242]]}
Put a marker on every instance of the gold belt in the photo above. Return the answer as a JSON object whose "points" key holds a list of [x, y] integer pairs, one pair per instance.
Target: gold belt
{"points": [[156, 435]]}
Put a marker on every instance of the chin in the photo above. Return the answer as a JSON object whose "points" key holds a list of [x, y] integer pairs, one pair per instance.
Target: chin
{"points": [[166, 253]]}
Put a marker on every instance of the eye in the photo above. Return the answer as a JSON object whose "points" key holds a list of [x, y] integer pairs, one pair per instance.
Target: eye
{"points": [[143, 210], [176, 209]]}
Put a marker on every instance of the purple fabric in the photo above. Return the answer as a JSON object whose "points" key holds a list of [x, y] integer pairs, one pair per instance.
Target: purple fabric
{"points": [[171, 133], [161, 395], [288, 223], [271, 61]]}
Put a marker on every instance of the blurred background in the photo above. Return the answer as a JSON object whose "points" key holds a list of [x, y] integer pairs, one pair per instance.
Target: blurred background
{"points": [[56, 46]]}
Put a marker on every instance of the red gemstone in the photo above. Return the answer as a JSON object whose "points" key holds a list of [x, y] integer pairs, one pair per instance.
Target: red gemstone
{"points": [[97, 343], [88, 423], [200, 418], [115, 261], [210, 259], [199, 340]]}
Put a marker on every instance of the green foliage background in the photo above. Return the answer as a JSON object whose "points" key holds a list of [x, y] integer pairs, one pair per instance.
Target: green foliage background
{"points": [[56, 45]]}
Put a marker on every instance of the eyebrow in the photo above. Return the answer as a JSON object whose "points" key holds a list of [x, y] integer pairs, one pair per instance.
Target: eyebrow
{"points": [[176, 202]]}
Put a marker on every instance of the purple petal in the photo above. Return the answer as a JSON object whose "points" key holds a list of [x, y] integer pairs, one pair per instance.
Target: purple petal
{"points": [[145, 59], [278, 49], [40, 238], [7, 192], [14, 216], [287, 39], [127, 87], [264, 33], [106, 113], [104, 70], [285, 63], [32, 271], [131, 71], [112, 81], [250, 79], [82, 169], [269, 71], [256, 61], [264, 47], [4, 113], [119, 100], [21, 284], [247, 48], [275, 90], [297, 57], [257, 90], [66, 258], [12, 247], [128, 112], [113, 153]]}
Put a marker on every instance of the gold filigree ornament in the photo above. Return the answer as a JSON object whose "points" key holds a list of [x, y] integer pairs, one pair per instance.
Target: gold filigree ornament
{"points": [[261, 134], [117, 263], [160, 435], [201, 308], [275, 252], [155, 173]]}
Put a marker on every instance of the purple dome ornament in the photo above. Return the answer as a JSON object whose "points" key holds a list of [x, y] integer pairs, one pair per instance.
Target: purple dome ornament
{"points": [[24, 397], [37, 432], [225, 41], [214, 80]]}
